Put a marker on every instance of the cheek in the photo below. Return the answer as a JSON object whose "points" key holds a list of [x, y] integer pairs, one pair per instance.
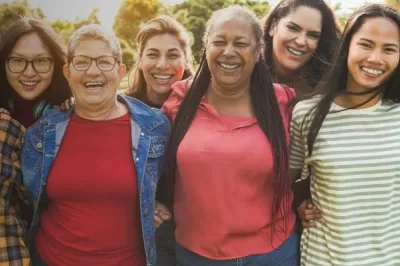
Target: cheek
{"points": [[179, 68], [394, 62], [212, 53], [74, 79], [313, 45], [147, 66], [12, 78], [47, 78]]}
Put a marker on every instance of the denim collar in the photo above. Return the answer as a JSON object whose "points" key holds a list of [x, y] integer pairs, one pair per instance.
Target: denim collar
{"points": [[146, 117]]}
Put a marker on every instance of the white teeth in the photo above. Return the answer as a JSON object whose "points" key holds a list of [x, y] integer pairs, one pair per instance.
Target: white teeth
{"points": [[296, 52], [372, 71], [29, 83], [94, 84], [162, 76], [227, 66]]}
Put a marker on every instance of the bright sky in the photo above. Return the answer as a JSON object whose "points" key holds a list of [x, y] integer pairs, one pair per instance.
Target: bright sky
{"points": [[71, 9]]}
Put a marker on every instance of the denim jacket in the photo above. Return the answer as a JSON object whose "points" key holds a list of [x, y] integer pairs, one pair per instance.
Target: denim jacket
{"points": [[150, 131]]}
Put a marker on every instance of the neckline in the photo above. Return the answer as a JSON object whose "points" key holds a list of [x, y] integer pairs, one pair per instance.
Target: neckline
{"points": [[336, 107]]}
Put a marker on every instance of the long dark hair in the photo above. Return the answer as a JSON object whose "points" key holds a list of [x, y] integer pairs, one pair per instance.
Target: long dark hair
{"points": [[58, 90], [265, 107], [330, 34], [336, 79], [160, 25]]}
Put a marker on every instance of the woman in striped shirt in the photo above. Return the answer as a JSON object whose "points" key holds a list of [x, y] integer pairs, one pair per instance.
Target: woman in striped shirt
{"points": [[348, 141]]}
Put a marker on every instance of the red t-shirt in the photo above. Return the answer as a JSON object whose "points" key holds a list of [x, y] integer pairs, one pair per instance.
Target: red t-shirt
{"points": [[94, 216], [225, 183]]}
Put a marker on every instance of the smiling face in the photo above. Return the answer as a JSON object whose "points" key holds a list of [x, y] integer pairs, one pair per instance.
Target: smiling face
{"points": [[295, 38], [373, 53], [29, 84], [232, 52], [93, 86], [162, 62]]}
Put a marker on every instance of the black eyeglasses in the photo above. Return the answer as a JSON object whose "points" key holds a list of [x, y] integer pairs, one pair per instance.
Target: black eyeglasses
{"points": [[40, 65], [104, 63]]}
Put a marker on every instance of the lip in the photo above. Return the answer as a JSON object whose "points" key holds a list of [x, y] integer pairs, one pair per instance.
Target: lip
{"points": [[162, 78], [29, 85], [373, 72], [229, 66], [292, 52], [94, 89]]}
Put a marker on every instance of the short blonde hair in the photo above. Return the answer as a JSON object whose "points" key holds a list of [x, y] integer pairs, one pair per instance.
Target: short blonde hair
{"points": [[94, 32]]}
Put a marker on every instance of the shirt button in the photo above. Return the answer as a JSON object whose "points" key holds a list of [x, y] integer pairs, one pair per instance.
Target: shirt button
{"points": [[141, 134], [146, 212], [137, 159], [39, 145]]}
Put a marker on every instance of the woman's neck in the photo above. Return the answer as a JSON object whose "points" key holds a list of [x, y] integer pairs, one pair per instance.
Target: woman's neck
{"points": [[23, 110], [230, 102], [156, 99], [351, 99], [106, 111]]}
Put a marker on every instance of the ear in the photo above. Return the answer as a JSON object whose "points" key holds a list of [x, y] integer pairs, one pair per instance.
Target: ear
{"points": [[66, 71], [122, 70], [272, 30]]}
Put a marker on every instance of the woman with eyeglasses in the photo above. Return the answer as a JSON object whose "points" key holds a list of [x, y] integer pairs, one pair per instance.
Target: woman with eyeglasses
{"points": [[31, 80], [99, 164]]}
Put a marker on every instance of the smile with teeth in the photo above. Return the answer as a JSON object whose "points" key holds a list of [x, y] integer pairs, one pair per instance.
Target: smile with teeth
{"points": [[94, 84], [229, 66], [162, 77], [295, 51], [29, 83], [371, 71]]}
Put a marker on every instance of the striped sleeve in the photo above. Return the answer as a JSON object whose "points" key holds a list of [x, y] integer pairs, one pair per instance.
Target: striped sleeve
{"points": [[297, 147]]}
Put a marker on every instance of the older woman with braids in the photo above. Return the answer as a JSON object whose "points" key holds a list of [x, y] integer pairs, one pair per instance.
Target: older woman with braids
{"points": [[228, 153]]}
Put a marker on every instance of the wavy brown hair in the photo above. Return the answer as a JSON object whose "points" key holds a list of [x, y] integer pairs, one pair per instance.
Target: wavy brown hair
{"points": [[330, 35], [160, 25]]}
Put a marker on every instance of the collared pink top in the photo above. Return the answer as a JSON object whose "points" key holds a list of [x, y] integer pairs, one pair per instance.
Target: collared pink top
{"points": [[225, 183]]}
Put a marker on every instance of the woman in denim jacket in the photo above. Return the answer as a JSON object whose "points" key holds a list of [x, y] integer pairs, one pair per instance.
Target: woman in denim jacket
{"points": [[97, 164]]}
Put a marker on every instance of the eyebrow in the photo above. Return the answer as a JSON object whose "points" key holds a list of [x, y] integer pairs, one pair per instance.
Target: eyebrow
{"points": [[298, 26], [386, 44], [236, 38], [38, 55], [156, 50]]}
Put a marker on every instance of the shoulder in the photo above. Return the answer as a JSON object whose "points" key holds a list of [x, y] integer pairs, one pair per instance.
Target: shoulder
{"points": [[147, 117], [181, 87], [9, 125], [302, 108], [11, 131], [51, 116], [179, 90], [283, 93]]}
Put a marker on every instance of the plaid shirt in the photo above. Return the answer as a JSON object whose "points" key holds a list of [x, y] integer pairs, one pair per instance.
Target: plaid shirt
{"points": [[13, 251]]}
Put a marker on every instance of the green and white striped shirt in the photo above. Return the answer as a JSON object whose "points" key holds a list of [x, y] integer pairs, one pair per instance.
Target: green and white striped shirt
{"points": [[355, 183]]}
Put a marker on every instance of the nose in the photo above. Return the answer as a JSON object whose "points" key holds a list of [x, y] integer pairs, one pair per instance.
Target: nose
{"points": [[162, 62], [29, 71], [375, 56], [229, 50], [301, 39], [93, 69]]}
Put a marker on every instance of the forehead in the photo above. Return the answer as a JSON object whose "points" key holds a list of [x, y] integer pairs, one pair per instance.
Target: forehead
{"points": [[30, 45], [163, 42], [92, 48], [379, 29], [231, 27], [306, 17]]}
